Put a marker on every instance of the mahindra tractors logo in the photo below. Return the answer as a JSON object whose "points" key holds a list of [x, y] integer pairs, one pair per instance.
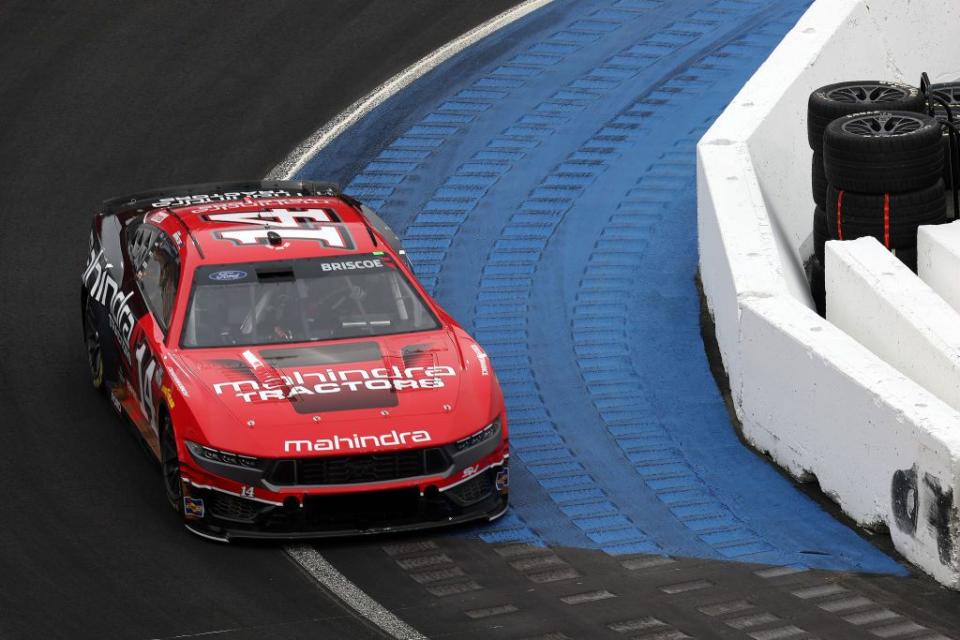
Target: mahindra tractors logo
{"points": [[387, 440], [291, 384]]}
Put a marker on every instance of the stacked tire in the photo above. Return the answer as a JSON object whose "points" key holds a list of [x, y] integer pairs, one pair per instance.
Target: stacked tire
{"points": [[949, 93], [877, 168], [884, 173]]}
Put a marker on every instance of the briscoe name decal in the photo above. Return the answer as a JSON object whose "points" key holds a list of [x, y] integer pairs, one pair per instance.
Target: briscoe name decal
{"points": [[105, 290], [351, 265], [339, 443], [301, 383]]}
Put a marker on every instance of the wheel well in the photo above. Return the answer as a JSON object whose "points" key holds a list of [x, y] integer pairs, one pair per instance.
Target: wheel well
{"points": [[163, 412]]}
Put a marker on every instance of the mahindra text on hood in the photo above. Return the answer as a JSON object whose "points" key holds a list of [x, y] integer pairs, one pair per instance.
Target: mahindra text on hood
{"points": [[366, 387]]}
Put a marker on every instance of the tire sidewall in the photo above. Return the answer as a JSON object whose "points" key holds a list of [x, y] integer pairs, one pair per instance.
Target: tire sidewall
{"points": [[167, 437]]}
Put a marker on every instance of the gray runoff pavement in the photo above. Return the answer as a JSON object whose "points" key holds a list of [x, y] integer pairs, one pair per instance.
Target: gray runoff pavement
{"points": [[99, 98]]}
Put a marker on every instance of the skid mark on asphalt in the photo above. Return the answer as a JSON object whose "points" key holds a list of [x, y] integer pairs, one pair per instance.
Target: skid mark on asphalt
{"points": [[546, 200]]}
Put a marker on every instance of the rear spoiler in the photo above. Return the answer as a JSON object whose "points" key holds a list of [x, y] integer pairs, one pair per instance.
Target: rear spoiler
{"points": [[186, 195]]}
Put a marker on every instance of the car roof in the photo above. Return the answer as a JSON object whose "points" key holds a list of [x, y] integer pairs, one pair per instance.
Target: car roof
{"points": [[308, 226]]}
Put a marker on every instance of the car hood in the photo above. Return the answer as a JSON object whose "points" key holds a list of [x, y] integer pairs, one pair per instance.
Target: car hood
{"points": [[256, 400]]}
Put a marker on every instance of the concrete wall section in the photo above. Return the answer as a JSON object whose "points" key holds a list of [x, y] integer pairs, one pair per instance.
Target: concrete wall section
{"points": [[882, 446], [938, 260], [738, 256], [884, 306]]}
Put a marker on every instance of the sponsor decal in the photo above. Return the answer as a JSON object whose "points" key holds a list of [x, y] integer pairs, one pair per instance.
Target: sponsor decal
{"points": [[482, 359], [297, 383], [177, 382], [193, 507], [351, 265], [503, 479], [165, 390], [292, 202], [157, 217], [227, 276], [178, 239], [391, 439], [203, 198], [104, 289], [365, 356], [283, 218]]}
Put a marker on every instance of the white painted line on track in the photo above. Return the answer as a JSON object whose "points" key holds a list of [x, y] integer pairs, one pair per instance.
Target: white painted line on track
{"points": [[352, 114], [305, 555], [354, 597]]}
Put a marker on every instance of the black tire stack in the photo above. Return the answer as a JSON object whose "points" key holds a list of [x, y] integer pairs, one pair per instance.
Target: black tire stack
{"points": [[949, 92], [877, 168]]}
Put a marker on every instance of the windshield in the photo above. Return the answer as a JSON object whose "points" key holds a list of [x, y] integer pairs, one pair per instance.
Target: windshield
{"points": [[302, 300]]}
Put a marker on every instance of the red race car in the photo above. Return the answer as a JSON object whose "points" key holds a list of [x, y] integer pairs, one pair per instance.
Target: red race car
{"points": [[271, 345]]}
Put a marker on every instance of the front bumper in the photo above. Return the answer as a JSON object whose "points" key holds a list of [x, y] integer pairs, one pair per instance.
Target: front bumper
{"points": [[226, 515]]}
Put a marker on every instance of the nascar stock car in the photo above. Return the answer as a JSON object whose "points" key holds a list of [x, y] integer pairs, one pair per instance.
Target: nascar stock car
{"points": [[272, 347]]}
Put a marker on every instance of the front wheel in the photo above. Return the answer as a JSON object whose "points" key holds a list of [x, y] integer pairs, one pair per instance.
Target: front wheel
{"points": [[170, 463], [92, 342]]}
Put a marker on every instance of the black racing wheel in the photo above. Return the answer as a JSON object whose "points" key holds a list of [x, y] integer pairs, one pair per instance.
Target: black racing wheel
{"points": [[170, 463], [92, 342]]}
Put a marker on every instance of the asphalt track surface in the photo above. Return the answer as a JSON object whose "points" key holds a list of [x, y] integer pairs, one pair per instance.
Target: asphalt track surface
{"points": [[104, 100]]}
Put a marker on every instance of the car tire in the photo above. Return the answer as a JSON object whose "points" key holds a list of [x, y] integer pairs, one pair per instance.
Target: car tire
{"points": [[883, 152], [851, 215], [828, 103], [170, 463], [820, 233], [93, 343], [949, 92], [818, 180], [818, 288]]}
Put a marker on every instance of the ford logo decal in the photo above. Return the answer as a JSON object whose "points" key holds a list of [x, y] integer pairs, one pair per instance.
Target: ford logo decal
{"points": [[226, 276]]}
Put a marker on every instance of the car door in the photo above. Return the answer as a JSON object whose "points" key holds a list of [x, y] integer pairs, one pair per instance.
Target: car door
{"points": [[157, 279]]}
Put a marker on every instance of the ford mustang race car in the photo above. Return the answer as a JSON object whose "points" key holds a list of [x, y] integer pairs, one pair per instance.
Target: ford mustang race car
{"points": [[272, 347]]}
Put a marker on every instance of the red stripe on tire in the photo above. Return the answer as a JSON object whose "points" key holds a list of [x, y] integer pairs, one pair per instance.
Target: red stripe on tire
{"points": [[886, 220], [840, 215]]}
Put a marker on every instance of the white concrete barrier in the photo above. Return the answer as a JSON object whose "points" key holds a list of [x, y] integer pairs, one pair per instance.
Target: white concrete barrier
{"points": [[876, 300], [938, 260], [882, 446]]}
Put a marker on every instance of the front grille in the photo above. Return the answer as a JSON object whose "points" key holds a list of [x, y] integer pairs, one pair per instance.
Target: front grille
{"points": [[358, 469], [230, 507], [473, 490]]}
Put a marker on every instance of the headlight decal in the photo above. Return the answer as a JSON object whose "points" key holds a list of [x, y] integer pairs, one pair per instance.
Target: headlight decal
{"points": [[482, 435], [223, 457]]}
